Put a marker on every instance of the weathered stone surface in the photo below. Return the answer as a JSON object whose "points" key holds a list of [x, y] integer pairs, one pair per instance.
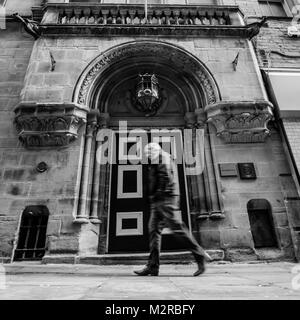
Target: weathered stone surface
{"points": [[48, 125], [241, 122], [240, 254], [63, 244]]}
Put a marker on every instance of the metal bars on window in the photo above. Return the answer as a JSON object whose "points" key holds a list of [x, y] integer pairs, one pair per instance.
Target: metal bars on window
{"points": [[32, 234]]}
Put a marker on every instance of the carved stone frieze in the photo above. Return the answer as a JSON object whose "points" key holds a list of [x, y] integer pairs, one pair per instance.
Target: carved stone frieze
{"points": [[48, 125], [241, 121]]}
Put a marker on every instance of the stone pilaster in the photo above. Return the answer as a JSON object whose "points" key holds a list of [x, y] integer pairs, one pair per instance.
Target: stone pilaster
{"points": [[83, 207], [99, 174]]}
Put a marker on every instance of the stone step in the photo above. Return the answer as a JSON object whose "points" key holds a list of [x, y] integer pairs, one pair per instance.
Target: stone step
{"points": [[130, 258]]}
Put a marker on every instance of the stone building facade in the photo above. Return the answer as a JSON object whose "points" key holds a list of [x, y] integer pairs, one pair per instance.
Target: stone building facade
{"points": [[69, 73]]}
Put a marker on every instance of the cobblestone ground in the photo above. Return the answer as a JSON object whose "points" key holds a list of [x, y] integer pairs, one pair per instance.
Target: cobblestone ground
{"points": [[277, 280]]}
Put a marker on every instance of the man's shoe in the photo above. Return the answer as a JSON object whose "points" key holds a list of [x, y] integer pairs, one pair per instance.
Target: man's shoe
{"points": [[146, 272], [201, 267]]}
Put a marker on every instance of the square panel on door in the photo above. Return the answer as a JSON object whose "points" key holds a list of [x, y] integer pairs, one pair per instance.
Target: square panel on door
{"points": [[130, 184], [129, 223], [130, 148]]}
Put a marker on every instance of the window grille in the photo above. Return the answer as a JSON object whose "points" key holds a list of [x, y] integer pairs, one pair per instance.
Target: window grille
{"points": [[32, 234]]}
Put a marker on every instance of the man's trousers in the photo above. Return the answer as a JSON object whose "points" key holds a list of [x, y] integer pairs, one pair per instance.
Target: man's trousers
{"points": [[164, 211]]}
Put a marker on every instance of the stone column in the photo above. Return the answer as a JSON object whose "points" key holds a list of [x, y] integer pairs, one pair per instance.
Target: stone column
{"points": [[83, 206], [212, 187], [195, 182], [202, 179], [99, 174]]}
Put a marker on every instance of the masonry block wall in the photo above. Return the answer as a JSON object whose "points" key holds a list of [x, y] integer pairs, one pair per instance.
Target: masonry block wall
{"points": [[15, 51], [270, 162], [275, 49], [27, 77], [74, 54]]}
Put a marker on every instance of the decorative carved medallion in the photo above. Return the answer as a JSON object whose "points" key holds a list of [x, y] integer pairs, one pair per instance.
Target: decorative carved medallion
{"points": [[172, 54], [48, 125], [241, 122]]}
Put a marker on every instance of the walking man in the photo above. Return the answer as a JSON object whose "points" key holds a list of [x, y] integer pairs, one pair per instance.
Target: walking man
{"points": [[164, 195]]}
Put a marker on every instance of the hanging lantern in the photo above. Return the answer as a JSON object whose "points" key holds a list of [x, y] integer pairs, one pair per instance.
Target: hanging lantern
{"points": [[147, 94]]}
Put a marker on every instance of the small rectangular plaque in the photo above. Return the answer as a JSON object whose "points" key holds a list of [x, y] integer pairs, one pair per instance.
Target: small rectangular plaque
{"points": [[247, 170], [227, 170]]}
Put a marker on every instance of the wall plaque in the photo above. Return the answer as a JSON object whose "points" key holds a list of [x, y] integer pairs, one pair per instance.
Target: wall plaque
{"points": [[247, 170], [228, 170]]}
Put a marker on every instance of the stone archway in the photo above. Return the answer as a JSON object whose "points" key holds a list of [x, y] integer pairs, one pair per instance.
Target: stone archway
{"points": [[179, 71], [170, 54]]}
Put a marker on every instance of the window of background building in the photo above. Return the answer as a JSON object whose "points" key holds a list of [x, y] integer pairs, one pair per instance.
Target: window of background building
{"points": [[273, 8]]}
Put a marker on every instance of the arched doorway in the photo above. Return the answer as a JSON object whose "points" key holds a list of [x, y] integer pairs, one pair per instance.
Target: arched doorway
{"points": [[107, 87], [32, 234], [261, 223]]}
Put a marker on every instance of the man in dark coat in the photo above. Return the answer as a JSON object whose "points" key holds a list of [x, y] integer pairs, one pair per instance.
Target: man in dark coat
{"points": [[164, 196]]}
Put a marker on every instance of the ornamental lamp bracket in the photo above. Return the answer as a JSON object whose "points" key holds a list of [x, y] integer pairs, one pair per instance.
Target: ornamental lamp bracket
{"points": [[147, 97]]}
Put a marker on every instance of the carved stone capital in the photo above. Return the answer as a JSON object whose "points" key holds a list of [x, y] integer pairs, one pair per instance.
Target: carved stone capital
{"points": [[201, 118], [190, 120], [48, 124], [104, 120], [92, 122], [241, 121]]}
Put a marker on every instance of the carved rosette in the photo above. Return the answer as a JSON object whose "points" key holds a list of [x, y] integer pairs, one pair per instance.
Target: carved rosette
{"points": [[48, 125], [241, 121]]}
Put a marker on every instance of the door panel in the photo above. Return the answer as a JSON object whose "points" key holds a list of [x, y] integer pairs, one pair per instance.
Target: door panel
{"points": [[129, 205]]}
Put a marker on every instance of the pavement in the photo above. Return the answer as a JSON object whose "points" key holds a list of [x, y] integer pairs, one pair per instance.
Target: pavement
{"points": [[221, 281]]}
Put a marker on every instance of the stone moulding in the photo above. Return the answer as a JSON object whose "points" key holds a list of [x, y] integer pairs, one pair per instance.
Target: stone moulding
{"points": [[49, 124], [91, 19], [181, 59], [241, 121]]}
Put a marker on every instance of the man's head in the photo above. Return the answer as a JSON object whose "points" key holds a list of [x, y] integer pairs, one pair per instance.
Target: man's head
{"points": [[152, 150]]}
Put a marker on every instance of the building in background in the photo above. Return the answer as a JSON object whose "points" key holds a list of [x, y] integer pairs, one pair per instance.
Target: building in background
{"points": [[72, 71]]}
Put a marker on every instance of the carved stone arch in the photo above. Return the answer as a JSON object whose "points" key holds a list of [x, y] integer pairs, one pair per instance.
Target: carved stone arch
{"points": [[199, 75]]}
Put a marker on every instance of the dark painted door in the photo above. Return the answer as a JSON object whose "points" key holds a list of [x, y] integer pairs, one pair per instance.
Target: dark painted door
{"points": [[129, 206]]}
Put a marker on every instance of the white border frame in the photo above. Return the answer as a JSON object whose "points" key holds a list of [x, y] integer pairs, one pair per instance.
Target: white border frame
{"points": [[123, 141], [120, 182], [129, 215]]}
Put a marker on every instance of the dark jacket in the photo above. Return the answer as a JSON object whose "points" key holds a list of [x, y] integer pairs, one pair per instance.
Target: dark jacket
{"points": [[162, 180]]}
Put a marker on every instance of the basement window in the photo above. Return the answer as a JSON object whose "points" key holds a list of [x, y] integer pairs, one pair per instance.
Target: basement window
{"points": [[32, 234], [273, 8]]}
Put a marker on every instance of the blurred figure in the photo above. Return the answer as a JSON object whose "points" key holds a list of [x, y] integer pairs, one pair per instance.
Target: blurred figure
{"points": [[164, 198]]}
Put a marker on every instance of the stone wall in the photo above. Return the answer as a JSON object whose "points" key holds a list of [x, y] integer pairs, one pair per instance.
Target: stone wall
{"points": [[21, 184], [275, 49], [270, 162], [73, 54], [58, 187], [15, 51], [22, 7]]}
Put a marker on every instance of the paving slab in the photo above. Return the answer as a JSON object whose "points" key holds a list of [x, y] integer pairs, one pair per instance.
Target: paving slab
{"points": [[221, 281]]}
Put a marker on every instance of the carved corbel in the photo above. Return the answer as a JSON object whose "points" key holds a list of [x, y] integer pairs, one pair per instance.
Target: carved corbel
{"points": [[48, 125], [241, 121]]}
